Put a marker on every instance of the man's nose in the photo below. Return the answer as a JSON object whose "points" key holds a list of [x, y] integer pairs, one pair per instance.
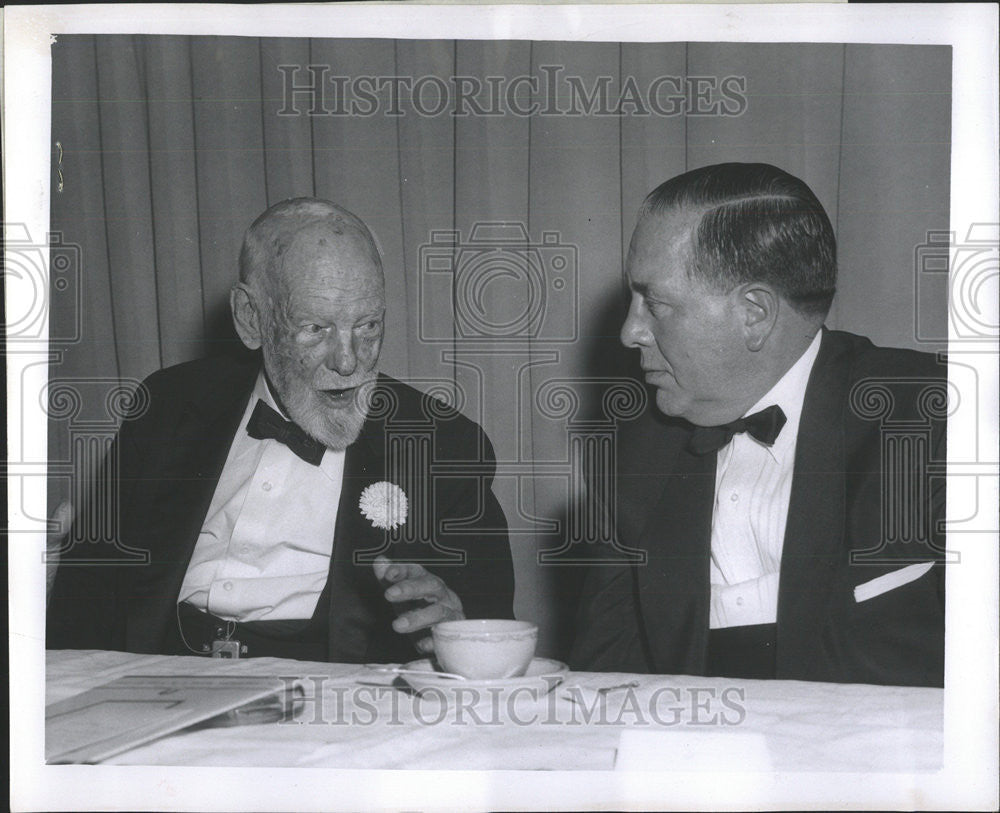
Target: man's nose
{"points": [[340, 355], [634, 332]]}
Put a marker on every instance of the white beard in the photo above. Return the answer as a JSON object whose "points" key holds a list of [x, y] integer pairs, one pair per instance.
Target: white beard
{"points": [[335, 426]]}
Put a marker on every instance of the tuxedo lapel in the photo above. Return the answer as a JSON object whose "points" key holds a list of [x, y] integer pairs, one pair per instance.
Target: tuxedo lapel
{"points": [[674, 582], [356, 603], [815, 528], [192, 462]]}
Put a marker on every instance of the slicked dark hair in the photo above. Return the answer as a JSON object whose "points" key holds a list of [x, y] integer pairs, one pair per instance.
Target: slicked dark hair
{"points": [[758, 224]]}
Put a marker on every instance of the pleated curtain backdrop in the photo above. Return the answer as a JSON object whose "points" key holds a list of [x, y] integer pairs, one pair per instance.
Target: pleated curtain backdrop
{"points": [[170, 146]]}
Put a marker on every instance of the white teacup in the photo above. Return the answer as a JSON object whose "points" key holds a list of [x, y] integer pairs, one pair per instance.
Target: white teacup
{"points": [[485, 648]]}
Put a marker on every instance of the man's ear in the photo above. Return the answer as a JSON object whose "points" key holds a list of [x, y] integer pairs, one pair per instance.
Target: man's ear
{"points": [[247, 317], [759, 304]]}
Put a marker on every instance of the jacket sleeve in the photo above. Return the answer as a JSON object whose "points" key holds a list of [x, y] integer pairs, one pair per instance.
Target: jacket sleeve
{"points": [[473, 524], [84, 608], [608, 636], [83, 604]]}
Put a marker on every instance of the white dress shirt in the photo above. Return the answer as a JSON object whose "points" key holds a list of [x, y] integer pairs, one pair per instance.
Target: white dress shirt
{"points": [[264, 550], [753, 486]]}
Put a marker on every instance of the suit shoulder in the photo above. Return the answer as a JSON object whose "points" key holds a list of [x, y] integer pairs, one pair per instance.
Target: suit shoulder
{"points": [[909, 383], [199, 379], [212, 370], [411, 404], [868, 360]]}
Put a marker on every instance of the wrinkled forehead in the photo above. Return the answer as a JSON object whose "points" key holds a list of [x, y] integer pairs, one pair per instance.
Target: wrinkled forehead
{"points": [[334, 252]]}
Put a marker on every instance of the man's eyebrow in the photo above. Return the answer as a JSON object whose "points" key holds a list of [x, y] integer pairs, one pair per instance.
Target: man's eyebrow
{"points": [[641, 288]]}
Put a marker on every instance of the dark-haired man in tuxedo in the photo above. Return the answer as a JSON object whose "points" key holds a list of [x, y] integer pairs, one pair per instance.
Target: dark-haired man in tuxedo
{"points": [[263, 492], [757, 489]]}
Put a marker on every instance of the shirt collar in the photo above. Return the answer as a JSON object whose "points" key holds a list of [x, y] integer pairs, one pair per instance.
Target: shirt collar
{"points": [[262, 391], [789, 393]]}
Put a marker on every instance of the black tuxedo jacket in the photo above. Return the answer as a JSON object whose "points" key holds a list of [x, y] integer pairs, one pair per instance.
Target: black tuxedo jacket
{"points": [[169, 461], [654, 617]]}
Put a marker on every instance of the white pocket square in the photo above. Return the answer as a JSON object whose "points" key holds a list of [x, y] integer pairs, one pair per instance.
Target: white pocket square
{"points": [[890, 581]]}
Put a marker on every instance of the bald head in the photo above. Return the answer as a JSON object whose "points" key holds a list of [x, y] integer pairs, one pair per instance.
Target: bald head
{"points": [[321, 224]]}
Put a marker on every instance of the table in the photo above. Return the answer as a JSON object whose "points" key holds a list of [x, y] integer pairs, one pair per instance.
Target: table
{"points": [[354, 718]]}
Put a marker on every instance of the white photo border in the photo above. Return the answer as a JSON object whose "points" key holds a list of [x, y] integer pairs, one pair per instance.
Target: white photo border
{"points": [[969, 777]]}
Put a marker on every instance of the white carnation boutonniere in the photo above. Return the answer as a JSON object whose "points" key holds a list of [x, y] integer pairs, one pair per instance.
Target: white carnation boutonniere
{"points": [[384, 505]]}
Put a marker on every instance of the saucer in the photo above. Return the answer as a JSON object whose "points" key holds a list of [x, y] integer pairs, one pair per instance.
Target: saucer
{"points": [[542, 673]]}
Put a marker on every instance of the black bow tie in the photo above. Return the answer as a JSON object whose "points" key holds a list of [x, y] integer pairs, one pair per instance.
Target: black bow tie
{"points": [[764, 426], [266, 423]]}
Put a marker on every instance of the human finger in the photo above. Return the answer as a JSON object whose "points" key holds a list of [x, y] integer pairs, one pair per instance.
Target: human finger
{"points": [[426, 586], [424, 617]]}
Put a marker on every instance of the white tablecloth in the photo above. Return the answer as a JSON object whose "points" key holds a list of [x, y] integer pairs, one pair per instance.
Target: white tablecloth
{"points": [[354, 718]]}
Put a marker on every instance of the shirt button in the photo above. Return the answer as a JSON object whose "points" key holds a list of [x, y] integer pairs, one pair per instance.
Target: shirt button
{"points": [[245, 549], [227, 586], [734, 497], [266, 486], [739, 601]]}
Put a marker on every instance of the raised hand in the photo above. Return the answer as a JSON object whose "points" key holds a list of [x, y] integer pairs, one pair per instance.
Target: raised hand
{"points": [[421, 599]]}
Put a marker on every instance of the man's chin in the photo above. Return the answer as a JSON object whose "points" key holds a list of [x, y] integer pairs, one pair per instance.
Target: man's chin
{"points": [[669, 404], [335, 421], [674, 407], [339, 436], [341, 442], [697, 413]]}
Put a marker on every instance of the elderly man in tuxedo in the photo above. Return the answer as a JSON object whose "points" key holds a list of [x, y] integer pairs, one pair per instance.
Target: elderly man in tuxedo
{"points": [[275, 517], [758, 493]]}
